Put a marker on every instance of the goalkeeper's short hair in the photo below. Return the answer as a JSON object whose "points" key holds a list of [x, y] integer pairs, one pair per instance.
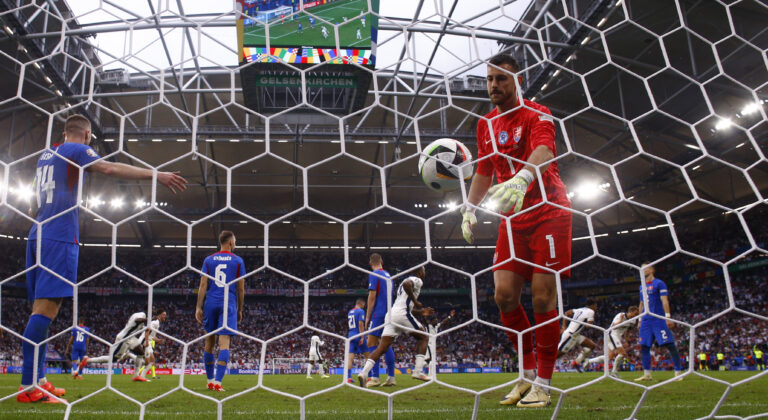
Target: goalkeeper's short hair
{"points": [[499, 59]]}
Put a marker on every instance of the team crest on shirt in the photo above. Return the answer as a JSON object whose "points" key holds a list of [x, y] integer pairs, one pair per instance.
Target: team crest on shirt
{"points": [[503, 137], [91, 152], [518, 133]]}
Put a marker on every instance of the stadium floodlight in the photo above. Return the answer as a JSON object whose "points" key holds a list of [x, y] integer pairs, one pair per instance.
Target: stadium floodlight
{"points": [[451, 205], [750, 108], [588, 190], [95, 202], [139, 203], [23, 192], [116, 203], [491, 205], [723, 124]]}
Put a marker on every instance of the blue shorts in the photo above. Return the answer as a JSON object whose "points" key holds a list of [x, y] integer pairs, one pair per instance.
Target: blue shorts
{"points": [[59, 257], [77, 354], [356, 348], [376, 322], [214, 319], [655, 329]]}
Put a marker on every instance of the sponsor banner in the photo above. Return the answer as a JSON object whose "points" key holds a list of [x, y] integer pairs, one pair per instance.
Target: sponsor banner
{"points": [[492, 370], [48, 370], [90, 371]]}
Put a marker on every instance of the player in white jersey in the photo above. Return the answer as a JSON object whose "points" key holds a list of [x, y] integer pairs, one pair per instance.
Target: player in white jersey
{"points": [[149, 345], [433, 327], [615, 344], [316, 357], [571, 336], [130, 345], [399, 320], [324, 30]]}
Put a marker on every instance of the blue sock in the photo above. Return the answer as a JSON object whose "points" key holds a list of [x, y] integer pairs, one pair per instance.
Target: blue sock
{"points": [[645, 352], [221, 369], [389, 358], [209, 359], [375, 371], [675, 355], [36, 331]]}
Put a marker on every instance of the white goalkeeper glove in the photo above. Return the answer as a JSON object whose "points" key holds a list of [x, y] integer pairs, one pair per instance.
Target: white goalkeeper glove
{"points": [[468, 221], [509, 195]]}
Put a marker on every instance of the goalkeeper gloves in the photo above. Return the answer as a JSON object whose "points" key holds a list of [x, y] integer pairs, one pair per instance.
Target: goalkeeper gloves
{"points": [[509, 194], [468, 221]]}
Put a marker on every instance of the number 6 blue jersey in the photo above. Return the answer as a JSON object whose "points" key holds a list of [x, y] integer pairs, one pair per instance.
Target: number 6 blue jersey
{"points": [[56, 190], [223, 268]]}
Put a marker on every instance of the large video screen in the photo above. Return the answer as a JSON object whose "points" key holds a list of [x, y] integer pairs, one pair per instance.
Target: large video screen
{"points": [[308, 35]]}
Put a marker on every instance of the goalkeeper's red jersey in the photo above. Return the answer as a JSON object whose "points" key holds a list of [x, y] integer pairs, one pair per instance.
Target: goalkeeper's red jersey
{"points": [[517, 134]]}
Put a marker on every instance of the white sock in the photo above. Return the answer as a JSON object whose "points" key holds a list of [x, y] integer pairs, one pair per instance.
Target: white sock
{"points": [[100, 359], [584, 353], [41, 381], [647, 372], [139, 364], [419, 368], [529, 374], [321, 370], [598, 359], [617, 362], [367, 368], [75, 365], [542, 381], [309, 369]]}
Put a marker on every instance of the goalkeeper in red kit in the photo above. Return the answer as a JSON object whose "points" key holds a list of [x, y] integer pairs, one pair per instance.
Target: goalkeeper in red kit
{"points": [[512, 146]]}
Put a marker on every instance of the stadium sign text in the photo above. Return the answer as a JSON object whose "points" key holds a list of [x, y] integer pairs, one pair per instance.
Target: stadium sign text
{"points": [[343, 82]]}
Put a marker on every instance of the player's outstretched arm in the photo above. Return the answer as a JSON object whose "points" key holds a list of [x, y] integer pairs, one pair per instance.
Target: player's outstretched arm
{"points": [[447, 319], [510, 194], [201, 291], [171, 180], [477, 190]]}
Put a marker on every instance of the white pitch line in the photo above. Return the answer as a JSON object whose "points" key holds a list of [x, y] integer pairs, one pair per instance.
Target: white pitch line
{"points": [[75, 410]]}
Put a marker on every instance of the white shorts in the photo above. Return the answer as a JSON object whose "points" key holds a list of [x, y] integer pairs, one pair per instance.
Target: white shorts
{"points": [[399, 320], [126, 347], [315, 357], [568, 341], [614, 342]]}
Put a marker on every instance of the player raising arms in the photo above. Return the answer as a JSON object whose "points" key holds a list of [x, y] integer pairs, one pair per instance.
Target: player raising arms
{"points": [[433, 327], [406, 304], [56, 187], [130, 345], [652, 328], [615, 344], [375, 315], [571, 336], [79, 343], [356, 324], [541, 236], [224, 268]]}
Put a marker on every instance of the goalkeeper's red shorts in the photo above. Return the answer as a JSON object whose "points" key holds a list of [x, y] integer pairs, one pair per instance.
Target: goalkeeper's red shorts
{"points": [[547, 244]]}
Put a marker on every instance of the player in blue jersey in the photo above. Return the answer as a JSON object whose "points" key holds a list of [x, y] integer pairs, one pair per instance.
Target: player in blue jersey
{"points": [[356, 324], [78, 342], [655, 329], [53, 241], [312, 22], [300, 30], [378, 291], [226, 270]]}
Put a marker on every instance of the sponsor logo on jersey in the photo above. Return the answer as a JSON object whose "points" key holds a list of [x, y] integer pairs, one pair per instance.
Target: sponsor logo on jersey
{"points": [[91, 152], [518, 133], [650, 288], [503, 137], [222, 258]]}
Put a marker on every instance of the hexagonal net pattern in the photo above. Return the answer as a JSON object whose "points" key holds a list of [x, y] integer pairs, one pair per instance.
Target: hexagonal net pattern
{"points": [[660, 128]]}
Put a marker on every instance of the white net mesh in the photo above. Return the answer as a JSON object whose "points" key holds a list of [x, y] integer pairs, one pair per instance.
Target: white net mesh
{"points": [[660, 125]]}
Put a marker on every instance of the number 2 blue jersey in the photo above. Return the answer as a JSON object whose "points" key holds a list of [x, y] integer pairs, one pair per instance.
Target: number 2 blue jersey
{"points": [[56, 190], [80, 334], [656, 289], [379, 283], [354, 318], [223, 268]]}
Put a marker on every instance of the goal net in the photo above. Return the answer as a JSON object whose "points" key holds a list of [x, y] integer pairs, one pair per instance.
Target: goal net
{"points": [[659, 114]]}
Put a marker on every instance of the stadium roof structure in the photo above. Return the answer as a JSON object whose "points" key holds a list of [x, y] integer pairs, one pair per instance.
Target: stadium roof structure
{"points": [[664, 75]]}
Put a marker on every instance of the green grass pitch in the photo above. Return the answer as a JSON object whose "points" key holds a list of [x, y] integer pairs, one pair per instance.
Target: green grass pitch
{"points": [[286, 34], [694, 397]]}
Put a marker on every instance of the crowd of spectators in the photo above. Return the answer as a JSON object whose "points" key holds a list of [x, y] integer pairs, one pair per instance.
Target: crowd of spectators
{"points": [[698, 292]]}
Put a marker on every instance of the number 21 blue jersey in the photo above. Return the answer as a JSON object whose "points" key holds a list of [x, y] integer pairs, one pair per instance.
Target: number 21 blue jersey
{"points": [[223, 268], [354, 318]]}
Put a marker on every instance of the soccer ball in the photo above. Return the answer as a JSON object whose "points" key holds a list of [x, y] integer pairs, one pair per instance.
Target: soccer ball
{"points": [[444, 164]]}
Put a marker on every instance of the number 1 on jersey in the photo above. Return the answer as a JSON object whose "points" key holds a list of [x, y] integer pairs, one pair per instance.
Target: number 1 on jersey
{"points": [[551, 241]]}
